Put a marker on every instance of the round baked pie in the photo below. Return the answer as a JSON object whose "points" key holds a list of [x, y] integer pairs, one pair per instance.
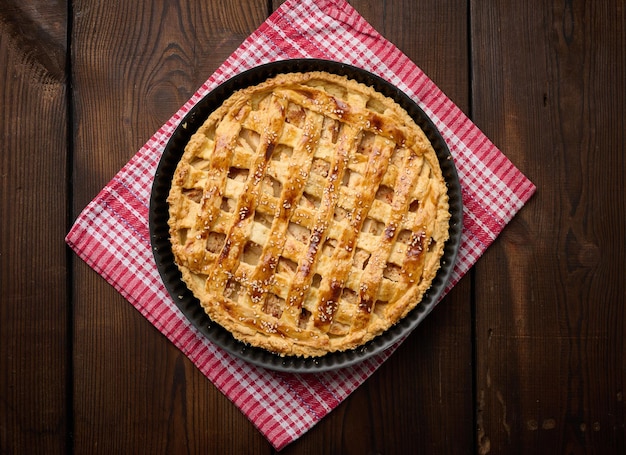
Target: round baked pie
{"points": [[308, 214]]}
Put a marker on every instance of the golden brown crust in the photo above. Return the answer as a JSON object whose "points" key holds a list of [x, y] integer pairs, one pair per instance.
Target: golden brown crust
{"points": [[308, 214]]}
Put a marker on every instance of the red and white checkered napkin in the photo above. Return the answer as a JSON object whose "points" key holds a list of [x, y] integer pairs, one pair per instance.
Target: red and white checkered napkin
{"points": [[112, 235]]}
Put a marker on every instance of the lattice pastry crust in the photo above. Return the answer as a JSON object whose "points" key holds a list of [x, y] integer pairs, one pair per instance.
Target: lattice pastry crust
{"points": [[308, 214]]}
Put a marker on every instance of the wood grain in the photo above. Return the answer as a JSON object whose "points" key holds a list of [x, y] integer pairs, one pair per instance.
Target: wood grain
{"points": [[33, 263], [134, 65], [527, 353], [550, 294], [421, 399], [423, 417]]}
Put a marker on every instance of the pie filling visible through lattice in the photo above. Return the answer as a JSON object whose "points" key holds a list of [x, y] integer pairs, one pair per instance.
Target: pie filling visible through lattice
{"points": [[308, 214]]}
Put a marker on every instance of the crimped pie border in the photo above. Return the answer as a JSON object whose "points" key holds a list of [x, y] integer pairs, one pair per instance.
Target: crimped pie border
{"points": [[190, 306]]}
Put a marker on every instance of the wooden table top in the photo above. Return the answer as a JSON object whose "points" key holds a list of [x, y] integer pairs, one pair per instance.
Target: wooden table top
{"points": [[526, 355]]}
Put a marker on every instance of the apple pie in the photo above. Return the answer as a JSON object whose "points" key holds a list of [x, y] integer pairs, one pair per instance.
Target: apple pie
{"points": [[308, 214]]}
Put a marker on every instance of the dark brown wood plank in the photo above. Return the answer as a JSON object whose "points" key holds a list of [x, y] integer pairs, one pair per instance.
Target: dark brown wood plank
{"points": [[550, 293], [420, 400], [134, 65], [33, 221]]}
